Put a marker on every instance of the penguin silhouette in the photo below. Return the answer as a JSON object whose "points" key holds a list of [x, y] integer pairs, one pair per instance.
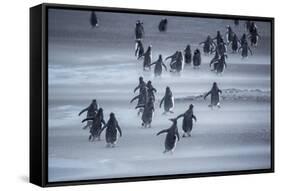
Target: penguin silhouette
{"points": [[196, 58], [97, 122], [147, 56], [94, 19], [151, 90], [245, 49], [235, 44], [139, 50], [111, 127], [208, 45], [141, 84], [215, 97], [187, 122], [148, 112], [168, 100], [163, 25], [220, 64], [139, 30], [158, 66], [172, 137], [187, 55], [142, 98], [91, 109]]}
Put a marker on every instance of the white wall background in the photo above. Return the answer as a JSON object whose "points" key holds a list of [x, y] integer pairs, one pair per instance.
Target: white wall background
{"points": [[14, 96]]}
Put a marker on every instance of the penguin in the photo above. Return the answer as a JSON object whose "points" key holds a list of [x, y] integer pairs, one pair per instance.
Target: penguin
{"points": [[141, 84], [94, 20], [187, 122], [187, 55], [158, 66], [221, 48], [214, 59], [168, 100], [196, 58], [177, 65], [147, 58], [215, 97], [151, 90], [235, 44], [252, 27], [142, 98], [229, 34], [139, 50], [97, 122], [245, 49], [173, 57], [163, 25], [172, 137], [111, 127], [254, 37], [208, 45], [218, 38], [220, 64], [139, 30], [91, 109], [148, 111], [243, 39]]}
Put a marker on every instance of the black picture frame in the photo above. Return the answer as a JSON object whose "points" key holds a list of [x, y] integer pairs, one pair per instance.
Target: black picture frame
{"points": [[39, 94]]}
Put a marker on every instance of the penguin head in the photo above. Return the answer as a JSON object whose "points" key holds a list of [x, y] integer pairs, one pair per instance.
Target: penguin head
{"points": [[94, 101], [111, 115], [149, 83], [141, 79], [215, 85], [160, 56], [218, 33], [100, 110], [191, 106]]}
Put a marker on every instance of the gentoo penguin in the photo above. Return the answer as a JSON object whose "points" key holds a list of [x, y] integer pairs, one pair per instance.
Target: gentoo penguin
{"points": [[245, 49], [158, 66], [187, 122], [196, 58], [93, 20], [142, 98], [218, 39], [91, 109], [139, 30], [168, 100], [173, 58], [172, 137], [208, 45], [254, 37], [215, 97], [235, 44], [220, 64], [139, 50], [147, 56], [163, 25], [214, 59], [141, 84], [111, 131], [229, 34], [150, 90], [187, 55], [148, 112], [97, 122]]}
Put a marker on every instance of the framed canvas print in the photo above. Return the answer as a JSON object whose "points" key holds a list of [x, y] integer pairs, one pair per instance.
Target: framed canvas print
{"points": [[127, 94]]}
